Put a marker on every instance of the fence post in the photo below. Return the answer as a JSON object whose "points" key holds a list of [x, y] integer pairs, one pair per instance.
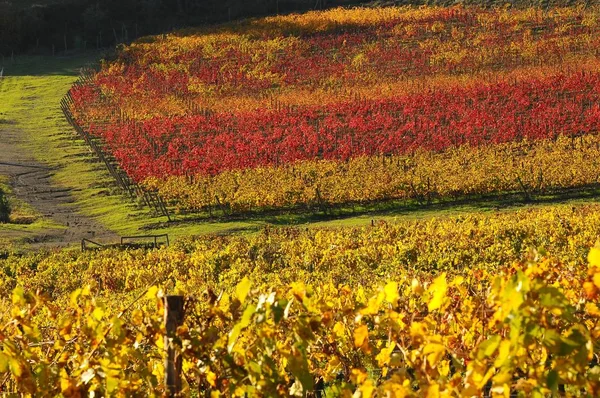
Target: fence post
{"points": [[173, 319]]}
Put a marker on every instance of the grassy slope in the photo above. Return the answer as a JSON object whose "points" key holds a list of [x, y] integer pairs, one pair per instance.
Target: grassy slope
{"points": [[31, 92], [30, 96]]}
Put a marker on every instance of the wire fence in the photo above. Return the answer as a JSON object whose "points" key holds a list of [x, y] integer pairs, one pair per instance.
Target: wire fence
{"points": [[151, 199]]}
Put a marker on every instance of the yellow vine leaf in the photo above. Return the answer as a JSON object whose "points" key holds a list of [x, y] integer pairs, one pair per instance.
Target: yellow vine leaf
{"points": [[18, 296], [367, 389], [15, 367], [73, 297], [152, 292], [433, 391], [444, 368], [339, 330], [416, 287], [503, 353], [98, 313], [358, 376], [391, 292], [211, 377], [159, 341], [65, 382], [592, 309], [438, 292], [434, 352], [596, 279], [384, 356], [360, 335], [242, 289], [594, 256]]}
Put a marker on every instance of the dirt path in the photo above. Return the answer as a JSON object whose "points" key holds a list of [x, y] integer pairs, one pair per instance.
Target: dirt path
{"points": [[31, 182]]}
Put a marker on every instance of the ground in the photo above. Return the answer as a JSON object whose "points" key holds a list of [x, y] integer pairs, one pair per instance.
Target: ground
{"points": [[47, 213]]}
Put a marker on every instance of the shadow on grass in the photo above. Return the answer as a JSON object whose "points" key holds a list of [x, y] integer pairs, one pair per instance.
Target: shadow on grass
{"points": [[487, 203], [39, 65]]}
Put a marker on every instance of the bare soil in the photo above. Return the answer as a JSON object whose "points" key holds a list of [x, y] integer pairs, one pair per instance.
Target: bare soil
{"points": [[31, 182]]}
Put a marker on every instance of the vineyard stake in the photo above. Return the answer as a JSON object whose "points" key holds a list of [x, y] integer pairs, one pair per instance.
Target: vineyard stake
{"points": [[173, 318]]}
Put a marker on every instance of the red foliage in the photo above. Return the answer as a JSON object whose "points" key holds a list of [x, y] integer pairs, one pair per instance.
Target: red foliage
{"points": [[486, 114]]}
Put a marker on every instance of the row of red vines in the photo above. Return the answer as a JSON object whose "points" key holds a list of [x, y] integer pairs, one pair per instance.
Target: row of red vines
{"points": [[435, 120]]}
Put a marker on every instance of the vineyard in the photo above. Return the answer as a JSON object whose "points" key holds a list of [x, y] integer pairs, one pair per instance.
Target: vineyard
{"points": [[324, 112], [354, 106], [457, 306]]}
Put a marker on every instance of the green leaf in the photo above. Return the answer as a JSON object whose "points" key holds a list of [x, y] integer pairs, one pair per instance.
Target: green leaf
{"points": [[237, 329], [299, 368], [278, 309], [15, 367], [117, 329], [552, 339], [112, 384], [551, 297], [552, 380], [233, 336], [562, 345], [569, 344], [18, 296], [98, 313], [255, 367], [488, 347], [3, 363], [247, 316]]}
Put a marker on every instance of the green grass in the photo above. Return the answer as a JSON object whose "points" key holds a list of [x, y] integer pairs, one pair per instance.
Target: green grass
{"points": [[30, 94], [30, 103]]}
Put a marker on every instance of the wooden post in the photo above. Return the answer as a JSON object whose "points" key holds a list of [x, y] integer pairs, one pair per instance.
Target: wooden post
{"points": [[173, 319]]}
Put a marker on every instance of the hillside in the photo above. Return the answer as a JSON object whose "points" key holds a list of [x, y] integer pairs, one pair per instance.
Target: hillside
{"points": [[353, 107], [371, 201]]}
